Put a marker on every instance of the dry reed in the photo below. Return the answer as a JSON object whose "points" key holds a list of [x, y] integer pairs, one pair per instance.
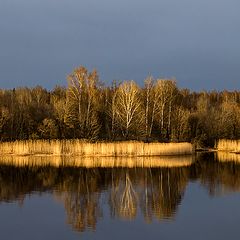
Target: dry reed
{"points": [[92, 162], [228, 145], [81, 148]]}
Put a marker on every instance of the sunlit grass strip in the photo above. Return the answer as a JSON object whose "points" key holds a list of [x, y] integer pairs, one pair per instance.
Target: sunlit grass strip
{"points": [[228, 145], [92, 162], [81, 148]]}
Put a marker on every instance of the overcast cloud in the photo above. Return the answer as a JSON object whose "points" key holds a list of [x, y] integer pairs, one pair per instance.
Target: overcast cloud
{"points": [[197, 42]]}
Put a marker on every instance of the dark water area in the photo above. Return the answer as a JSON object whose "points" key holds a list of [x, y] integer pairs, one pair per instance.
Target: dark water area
{"points": [[199, 201]]}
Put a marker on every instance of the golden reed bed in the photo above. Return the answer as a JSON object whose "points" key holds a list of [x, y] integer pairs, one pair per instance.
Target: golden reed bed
{"points": [[228, 145], [81, 148], [91, 162]]}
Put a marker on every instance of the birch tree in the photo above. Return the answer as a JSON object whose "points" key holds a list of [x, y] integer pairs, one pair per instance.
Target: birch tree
{"points": [[111, 110], [82, 102], [127, 105], [150, 102], [166, 92]]}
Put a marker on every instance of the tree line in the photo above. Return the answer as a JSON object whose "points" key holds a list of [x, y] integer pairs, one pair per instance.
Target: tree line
{"points": [[86, 109]]}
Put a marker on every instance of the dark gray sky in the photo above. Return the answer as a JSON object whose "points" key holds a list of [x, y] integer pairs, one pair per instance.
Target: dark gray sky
{"points": [[195, 41]]}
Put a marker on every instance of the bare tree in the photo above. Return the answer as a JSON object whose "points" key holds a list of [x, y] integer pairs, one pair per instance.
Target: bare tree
{"points": [[127, 105], [230, 119], [149, 106], [58, 101], [180, 123], [82, 102], [166, 91], [110, 109]]}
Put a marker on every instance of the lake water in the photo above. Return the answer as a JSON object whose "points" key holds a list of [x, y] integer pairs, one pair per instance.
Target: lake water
{"points": [[198, 200]]}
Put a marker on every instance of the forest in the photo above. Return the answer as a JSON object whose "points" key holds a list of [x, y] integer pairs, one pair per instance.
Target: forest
{"points": [[157, 111]]}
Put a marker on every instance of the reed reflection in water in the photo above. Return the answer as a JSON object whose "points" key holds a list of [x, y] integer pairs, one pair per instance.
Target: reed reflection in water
{"points": [[91, 162], [153, 193], [224, 156]]}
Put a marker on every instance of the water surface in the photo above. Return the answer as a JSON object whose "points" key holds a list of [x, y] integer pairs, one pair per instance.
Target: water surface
{"points": [[196, 200]]}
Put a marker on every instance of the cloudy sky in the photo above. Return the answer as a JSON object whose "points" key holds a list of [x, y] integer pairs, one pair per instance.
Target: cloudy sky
{"points": [[196, 42]]}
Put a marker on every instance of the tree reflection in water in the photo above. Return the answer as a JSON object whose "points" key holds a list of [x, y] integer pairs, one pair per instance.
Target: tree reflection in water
{"points": [[80, 194], [154, 193], [123, 198]]}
